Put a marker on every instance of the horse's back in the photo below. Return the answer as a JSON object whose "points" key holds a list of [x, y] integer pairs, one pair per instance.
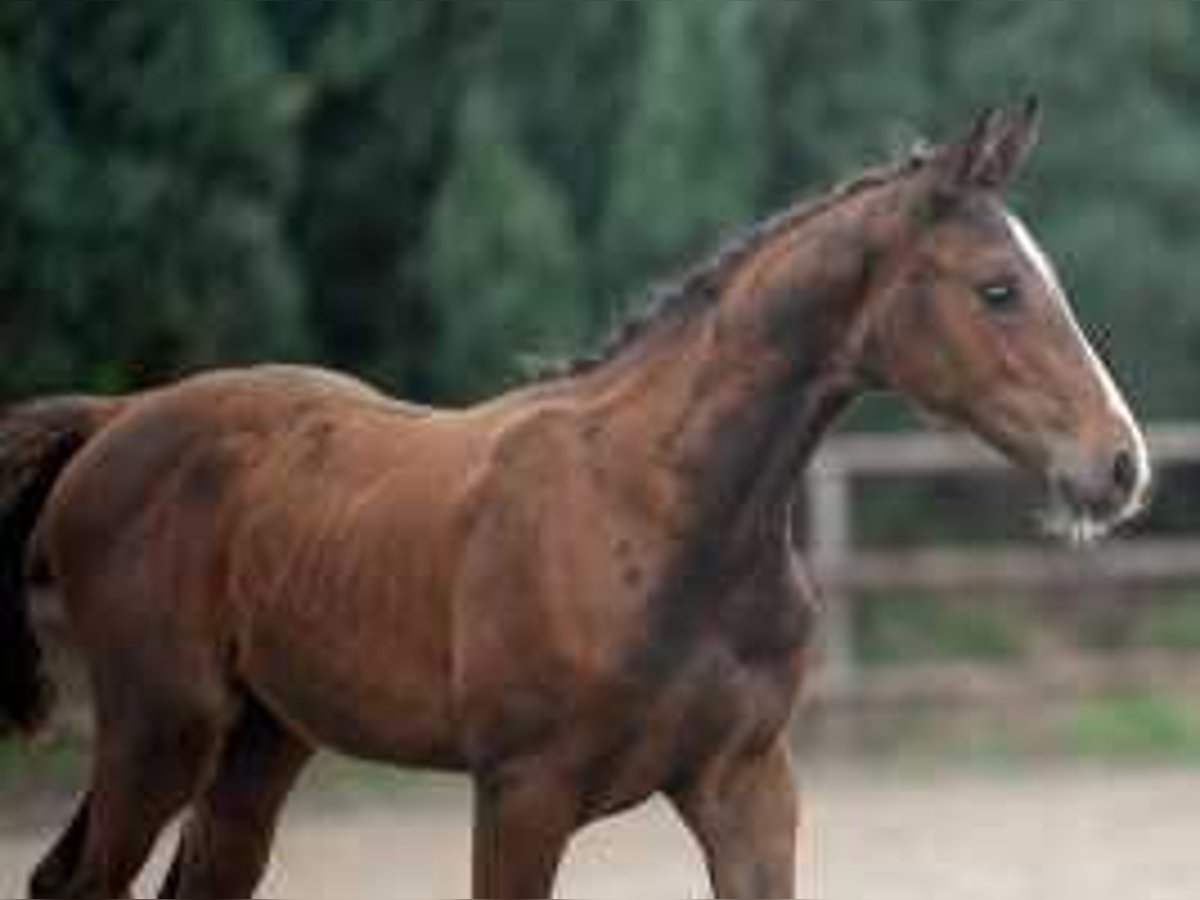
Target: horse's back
{"points": [[271, 384], [186, 449]]}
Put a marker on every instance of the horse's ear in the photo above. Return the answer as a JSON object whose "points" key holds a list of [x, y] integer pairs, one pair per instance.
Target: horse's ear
{"points": [[998, 143]]}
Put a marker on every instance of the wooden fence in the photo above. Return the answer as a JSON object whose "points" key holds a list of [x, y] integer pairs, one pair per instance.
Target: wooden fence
{"points": [[844, 568]]}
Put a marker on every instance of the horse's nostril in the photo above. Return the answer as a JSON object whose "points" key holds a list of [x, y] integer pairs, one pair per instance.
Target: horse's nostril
{"points": [[1124, 471]]}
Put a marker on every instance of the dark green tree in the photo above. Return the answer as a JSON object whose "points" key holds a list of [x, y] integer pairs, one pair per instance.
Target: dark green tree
{"points": [[381, 84], [846, 86], [150, 232], [504, 265], [690, 154], [1111, 192]]}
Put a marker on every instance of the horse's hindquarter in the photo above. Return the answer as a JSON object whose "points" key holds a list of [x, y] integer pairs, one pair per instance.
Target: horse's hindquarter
{"points": [[284, 529]]}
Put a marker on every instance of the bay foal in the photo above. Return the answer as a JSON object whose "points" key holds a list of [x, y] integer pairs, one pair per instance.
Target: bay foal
{"points": [[582, 593]]}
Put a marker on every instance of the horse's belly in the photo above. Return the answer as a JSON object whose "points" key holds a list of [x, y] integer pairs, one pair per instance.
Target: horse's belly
{"points": [[376, 700], [348, 626]]}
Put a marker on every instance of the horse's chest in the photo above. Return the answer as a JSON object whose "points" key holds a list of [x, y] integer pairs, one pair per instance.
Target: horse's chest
{"points": [[719, 702], [756, 617], [723, 674], [713, 706], [713, 682]]}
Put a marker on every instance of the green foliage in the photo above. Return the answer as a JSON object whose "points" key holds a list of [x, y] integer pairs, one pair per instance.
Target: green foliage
{"points": [[1133, 726], [918, 627], [41, 768], [1174, 625], [1110, 192], [504, 267], [424, 192], [143, 234], [561, 63], [1122, 727], [845, 84], [379, 86], [689, 156]]}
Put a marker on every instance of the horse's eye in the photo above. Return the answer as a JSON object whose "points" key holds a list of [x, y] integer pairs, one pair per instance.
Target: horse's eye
{"points": [[1000, 295]]}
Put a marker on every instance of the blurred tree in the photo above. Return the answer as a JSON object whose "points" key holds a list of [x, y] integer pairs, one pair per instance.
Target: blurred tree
{"points": [[690, 154], [504, 266], [162, 164], [846, 86], [33, 347], [1111, 193], [567, 69], [381, 85], [183, 184]]}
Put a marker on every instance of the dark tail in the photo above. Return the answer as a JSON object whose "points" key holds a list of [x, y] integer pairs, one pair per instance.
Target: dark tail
{"points": [[37, 440]]}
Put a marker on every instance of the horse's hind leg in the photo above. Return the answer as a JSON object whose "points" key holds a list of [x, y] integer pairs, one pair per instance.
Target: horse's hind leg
{"points": [[156, 742], [227, 839], [141, 781], [58, 867]]}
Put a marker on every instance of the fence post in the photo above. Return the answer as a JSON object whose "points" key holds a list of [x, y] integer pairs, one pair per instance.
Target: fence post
{"points": [[830, 538]]}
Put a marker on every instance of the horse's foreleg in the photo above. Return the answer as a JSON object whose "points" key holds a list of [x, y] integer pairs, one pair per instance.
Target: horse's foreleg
{"points": [[522, 826], [225, 844], [743, 812]]}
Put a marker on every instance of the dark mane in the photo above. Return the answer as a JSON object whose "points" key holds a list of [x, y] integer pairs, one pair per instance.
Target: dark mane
{"points": [[700, 285]]}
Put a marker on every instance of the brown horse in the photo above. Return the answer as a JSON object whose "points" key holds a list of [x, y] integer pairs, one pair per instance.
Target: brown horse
{"points": [[583, 592]]}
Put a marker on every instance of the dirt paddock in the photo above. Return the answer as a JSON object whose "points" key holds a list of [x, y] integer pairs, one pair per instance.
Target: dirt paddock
{"points": [[1045, 833]]}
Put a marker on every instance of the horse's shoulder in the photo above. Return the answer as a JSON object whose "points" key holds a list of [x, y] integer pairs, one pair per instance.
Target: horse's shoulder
{"points": [[525, 469]]}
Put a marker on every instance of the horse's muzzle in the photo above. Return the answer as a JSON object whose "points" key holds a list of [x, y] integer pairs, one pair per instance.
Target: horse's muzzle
{"points": [[1106, 487]]}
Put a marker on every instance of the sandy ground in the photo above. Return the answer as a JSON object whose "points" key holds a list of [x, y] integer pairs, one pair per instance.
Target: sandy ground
{"points": [[1040, 834]]}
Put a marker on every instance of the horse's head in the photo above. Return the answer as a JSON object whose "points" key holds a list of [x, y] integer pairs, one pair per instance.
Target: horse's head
{"points": [[969, 322]]}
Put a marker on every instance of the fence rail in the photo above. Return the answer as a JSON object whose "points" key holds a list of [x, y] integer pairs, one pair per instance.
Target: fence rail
{"points": [[846, 569]]}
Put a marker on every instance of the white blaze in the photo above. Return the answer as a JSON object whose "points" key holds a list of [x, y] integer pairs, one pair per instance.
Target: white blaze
{"points": [[1116, 401]]}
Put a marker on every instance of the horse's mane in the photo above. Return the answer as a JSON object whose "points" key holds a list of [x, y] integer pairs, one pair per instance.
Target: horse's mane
{"points": [[701, 284]]}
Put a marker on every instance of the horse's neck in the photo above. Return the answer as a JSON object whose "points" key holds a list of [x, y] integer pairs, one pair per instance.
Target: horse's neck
{"points": [[721, 413]]}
